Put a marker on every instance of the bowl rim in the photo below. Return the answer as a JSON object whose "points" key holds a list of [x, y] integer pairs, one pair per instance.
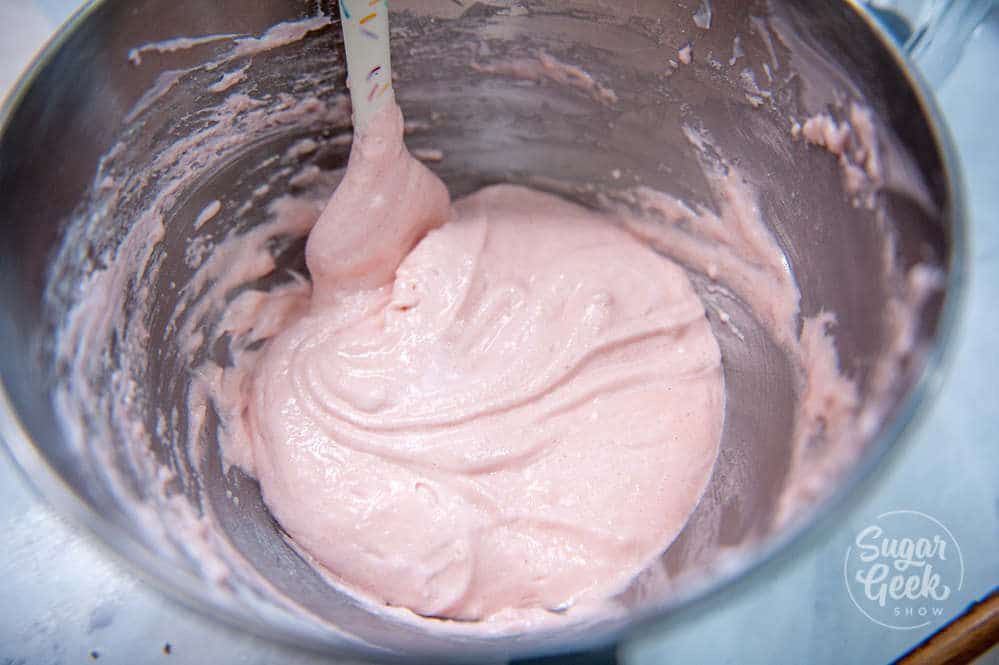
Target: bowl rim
{"points": [[804, 534]]}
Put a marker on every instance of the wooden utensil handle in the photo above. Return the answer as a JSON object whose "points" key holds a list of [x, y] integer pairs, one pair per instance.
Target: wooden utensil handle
{"points": [[962, 640]]}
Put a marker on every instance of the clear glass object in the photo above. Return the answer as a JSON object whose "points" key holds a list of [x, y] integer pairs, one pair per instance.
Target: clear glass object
{"points": [[932, 32]]}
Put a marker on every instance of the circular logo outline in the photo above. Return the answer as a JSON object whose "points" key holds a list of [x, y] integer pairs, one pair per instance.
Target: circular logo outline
{"points": [[849, 549]]}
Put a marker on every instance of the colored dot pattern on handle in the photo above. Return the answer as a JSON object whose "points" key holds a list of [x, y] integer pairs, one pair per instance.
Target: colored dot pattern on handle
{"points": [[369, 68]]}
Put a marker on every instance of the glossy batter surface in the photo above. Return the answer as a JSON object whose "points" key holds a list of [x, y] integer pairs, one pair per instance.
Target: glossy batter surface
{"points": [[509, 403]]}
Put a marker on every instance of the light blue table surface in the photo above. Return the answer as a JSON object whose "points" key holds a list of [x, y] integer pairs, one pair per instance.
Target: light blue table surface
{"points": [[64, 595]]}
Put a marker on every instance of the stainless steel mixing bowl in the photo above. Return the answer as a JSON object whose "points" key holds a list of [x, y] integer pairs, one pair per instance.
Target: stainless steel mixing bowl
{"points": [[75, 103]]}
